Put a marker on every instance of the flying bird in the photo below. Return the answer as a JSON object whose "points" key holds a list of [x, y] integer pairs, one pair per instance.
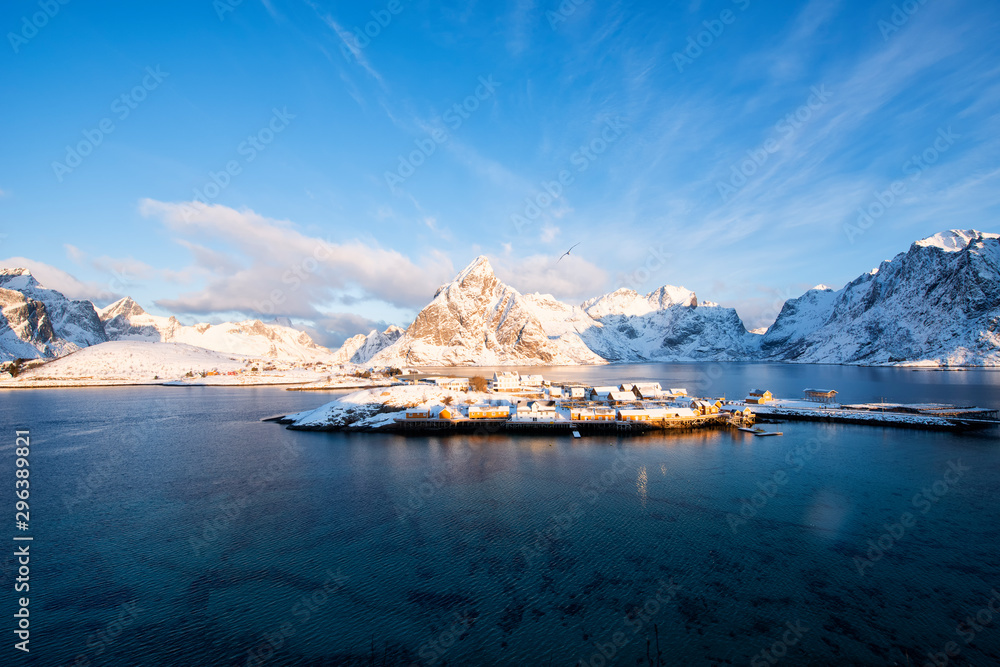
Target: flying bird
{"points": [[565, 254]]}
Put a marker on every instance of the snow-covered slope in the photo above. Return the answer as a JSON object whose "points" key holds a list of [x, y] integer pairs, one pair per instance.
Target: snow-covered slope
{"points": [[566, 325], [134, 361], [938, 303], [36, 322], [126, 320], [667, 324], [477, 320], [360, 349]]}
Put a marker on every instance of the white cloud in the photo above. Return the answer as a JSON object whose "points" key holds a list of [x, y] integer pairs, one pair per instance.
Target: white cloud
{"points": [[549, 233], [571, 278], [61, 281], [256, 264], [350, 42]]}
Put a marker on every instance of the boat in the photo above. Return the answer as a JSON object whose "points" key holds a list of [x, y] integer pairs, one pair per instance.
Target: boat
{"points": [[758, 431], [576, 434]]}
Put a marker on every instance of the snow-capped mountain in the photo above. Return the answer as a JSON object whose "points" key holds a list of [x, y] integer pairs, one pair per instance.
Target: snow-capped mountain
{"points": [[667, 324], [477, 320], [36, 322], [567, 325], [938, 303], [359, 349], [126, 320]]}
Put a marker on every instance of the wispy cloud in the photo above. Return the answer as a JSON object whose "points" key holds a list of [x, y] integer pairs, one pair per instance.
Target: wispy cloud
{"points": [[348, 41], [521, 18], [256, 261]]}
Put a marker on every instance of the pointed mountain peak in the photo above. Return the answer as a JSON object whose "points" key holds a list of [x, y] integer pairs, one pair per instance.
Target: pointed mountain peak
{"points": [[479, 266], [954, 240], [17, 279], [669, 295], [126, 306]]}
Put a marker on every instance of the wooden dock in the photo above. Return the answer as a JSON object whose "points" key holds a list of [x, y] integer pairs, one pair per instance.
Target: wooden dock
{"points": [[557, 427]]}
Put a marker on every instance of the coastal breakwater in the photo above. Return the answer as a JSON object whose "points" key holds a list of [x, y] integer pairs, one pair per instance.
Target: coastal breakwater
{"points": [[934, 417]]}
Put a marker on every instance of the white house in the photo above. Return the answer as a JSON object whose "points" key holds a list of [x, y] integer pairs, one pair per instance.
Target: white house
{"points": [[452, 384], [592, 414], [600, 393], [534, 411], [645, 390], [506, 381], [618, 397], [532, 380], [654, 414]]}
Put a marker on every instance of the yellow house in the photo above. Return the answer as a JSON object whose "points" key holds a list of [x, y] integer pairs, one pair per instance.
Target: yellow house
{"points": [[489, 412], [418, 414], [759, 397]]}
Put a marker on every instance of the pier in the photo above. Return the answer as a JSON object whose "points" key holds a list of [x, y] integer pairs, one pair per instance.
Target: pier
{"points": [[555, 427], [934, 417]]}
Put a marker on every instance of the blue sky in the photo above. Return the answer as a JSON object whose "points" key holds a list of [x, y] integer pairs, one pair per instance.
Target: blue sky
{"points": [[723, 146]]}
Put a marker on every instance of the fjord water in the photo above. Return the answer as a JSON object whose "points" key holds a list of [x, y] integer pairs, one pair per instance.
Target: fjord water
{"points": [[171, 526]]}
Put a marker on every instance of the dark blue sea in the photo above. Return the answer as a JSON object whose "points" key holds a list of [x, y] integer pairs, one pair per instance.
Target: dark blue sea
{"points": [[172, 527]]}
